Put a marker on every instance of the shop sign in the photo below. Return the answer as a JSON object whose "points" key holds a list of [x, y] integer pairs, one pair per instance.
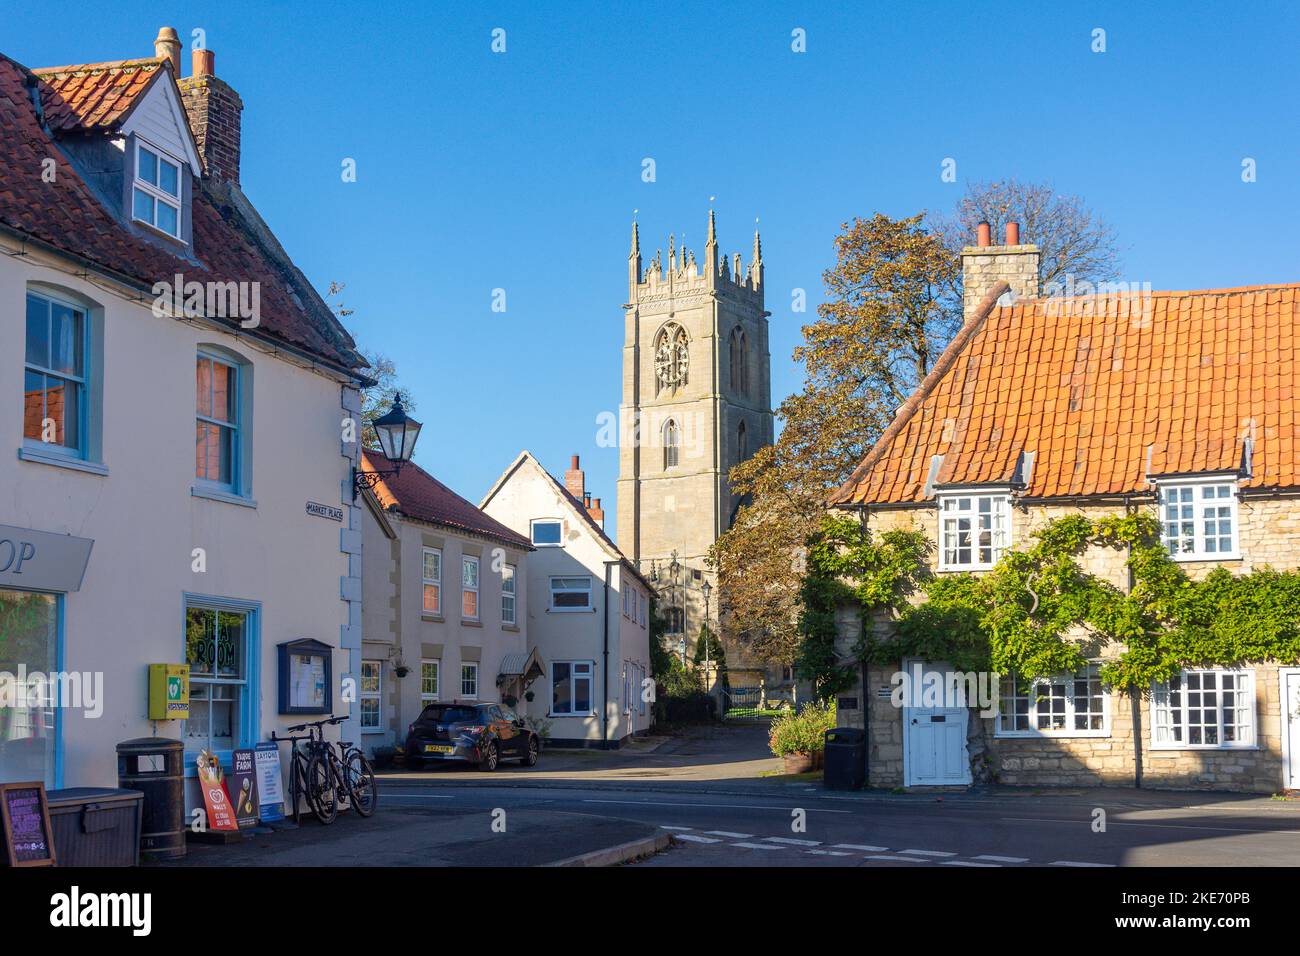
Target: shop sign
{"points": [[242, 785], [318, 510], [25, 821], [270, 785], [216, 798], [41, 561]]}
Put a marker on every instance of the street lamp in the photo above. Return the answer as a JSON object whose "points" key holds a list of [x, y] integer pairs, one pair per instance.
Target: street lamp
{"points": [[706, 589], [397, 433]]}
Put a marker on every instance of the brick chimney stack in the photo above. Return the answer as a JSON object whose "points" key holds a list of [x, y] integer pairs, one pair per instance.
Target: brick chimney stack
{"points": [[575, 482], [984, 265], [597, 513], [214, 111]]}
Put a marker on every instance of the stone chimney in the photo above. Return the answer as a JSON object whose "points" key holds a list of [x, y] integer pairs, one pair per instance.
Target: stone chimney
{"points": [[213, 109], [984, 265], [167, 44], [575, 482]]}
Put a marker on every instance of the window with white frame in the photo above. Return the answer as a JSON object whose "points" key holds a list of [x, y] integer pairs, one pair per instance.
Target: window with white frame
{"points": [[469, 680], [469, 588], [55, 375], [429, 675], [508, 594], [570, 594], [974, 530], [432, 579], [1069, 705], [571, 688], [156, 192], [1211, 708], [1198, 519], [547, 533], [369, 695]]}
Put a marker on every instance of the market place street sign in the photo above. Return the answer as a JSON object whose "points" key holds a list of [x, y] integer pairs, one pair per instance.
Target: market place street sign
{"points": [[324, 511], [41, 561]]}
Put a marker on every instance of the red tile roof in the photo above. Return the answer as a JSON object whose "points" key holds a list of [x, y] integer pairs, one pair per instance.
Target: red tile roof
{"points": [[94, 95], [1102, 392], [417, 494], [230, 241]]}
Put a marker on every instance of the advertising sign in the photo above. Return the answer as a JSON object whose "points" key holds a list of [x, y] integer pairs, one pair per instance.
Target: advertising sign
{"points": [[242, 785], [25, 820], [216, 799], [270, 785]]}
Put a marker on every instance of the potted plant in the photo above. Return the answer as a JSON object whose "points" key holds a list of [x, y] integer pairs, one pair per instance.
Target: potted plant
{"points": [[529, 696], [799, 739], [510, 700]]}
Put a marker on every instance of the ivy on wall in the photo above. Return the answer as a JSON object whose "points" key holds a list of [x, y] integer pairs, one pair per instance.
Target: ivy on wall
{"points": [[1038, 612]]}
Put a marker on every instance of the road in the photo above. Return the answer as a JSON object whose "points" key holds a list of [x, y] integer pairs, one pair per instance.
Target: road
{"points": [[720, 818]]}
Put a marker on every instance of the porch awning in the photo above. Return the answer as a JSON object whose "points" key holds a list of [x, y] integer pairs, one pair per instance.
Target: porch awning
{"points": [[528, 666]]}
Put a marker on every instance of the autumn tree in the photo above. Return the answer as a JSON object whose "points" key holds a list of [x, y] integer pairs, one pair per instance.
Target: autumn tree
{"points": [[893, 304]]}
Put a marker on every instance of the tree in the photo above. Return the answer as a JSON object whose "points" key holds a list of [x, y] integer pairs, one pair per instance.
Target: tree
{"points": [[893, 304], [1078, 247], [709, 648], [376, 399], [889, 312]]}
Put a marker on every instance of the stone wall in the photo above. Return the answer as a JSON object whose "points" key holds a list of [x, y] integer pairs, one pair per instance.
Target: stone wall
{"points": [[1268, 532]]}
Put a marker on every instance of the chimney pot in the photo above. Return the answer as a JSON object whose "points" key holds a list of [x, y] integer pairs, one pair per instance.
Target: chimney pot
{"points": [[574, 463], [1013, 234], [204, 63], [982, 237], [168, 44]]}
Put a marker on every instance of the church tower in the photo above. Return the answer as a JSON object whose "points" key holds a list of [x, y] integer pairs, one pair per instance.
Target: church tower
{"points": [[697, 399]]}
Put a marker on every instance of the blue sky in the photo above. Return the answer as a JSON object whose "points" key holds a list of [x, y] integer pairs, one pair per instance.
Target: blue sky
{"points": [[521, 170]]}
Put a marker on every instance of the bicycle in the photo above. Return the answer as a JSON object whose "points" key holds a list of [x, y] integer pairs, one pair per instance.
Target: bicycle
{"points": [[299, 768], [341, 772]]}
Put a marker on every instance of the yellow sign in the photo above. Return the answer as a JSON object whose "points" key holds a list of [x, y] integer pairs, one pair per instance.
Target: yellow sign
{"points": [[169, 691]]}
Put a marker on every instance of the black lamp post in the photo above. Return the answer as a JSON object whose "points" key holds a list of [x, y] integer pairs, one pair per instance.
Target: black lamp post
{"points": [[397, 433]]}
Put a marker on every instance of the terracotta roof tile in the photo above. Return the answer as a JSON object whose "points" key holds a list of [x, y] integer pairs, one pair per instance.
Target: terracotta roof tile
{"points": [[417, 494], [230, 243], [94, 95], [1104, 391]]}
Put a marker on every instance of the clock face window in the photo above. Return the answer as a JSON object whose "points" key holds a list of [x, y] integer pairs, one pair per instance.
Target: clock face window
{"points": [[672, 357]]}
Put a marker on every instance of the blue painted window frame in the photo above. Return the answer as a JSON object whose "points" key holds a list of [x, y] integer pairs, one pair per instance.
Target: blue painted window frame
{"points": [[82, 381], [249, 709]]}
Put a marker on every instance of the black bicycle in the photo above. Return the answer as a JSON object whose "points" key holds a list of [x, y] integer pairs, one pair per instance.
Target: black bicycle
{"points": [[340, 773], [320, 777]]}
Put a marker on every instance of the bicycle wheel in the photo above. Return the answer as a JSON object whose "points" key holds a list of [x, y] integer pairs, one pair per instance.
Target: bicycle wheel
{"points": [[361, 781], [321, 793]]}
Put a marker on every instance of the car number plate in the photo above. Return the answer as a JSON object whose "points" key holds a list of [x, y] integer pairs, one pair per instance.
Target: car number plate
{"points": [[437, 749]]}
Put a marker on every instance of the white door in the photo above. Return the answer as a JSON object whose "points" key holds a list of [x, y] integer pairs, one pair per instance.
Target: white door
{"points": [[934, 737], [1291, 720]]}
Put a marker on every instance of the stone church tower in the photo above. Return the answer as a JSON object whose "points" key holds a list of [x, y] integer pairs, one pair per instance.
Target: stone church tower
{"points": [[697, 399]]}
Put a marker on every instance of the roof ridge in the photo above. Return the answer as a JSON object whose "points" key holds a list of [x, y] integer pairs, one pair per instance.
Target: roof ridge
{"points": [[914, 401], [104, 67]]}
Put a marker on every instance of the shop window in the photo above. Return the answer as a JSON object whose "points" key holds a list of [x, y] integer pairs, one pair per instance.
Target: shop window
{"points": [[29, 635], [219, 643]]}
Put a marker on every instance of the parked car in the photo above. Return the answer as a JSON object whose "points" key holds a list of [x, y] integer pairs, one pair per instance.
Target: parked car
{"points": [[481, 734]]}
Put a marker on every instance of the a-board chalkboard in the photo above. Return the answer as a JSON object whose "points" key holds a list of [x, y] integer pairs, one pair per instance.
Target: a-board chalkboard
{"points": [[25, 816]]}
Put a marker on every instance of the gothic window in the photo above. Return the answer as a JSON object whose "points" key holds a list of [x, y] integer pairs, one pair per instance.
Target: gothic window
{"points": [[672, 444], [739, 362], [742, 443], [672, 357]]}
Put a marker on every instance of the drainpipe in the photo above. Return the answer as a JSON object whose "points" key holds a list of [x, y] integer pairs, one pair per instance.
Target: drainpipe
{"points": [[604, 680], [1135, 694]]}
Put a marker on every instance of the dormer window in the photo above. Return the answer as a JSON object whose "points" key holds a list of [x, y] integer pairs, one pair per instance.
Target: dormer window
{"points": [[156, 193], [1198, 518], [974, 530]]}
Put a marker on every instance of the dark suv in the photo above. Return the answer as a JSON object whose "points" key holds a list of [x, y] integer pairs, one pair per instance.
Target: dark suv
{"points": [[481, 734]]}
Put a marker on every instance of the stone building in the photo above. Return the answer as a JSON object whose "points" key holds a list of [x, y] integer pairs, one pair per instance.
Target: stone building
{"points": [[1179, 403], [697, 400]]}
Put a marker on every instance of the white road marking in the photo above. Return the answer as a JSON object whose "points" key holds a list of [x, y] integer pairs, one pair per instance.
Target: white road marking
{"points": [[663, 826], [827, 853], [1004, 859], [759, 846], [728, 833], [725, 806], [695, 839], [965, 863], [1076, 863], [793, 842], [927, 852], [859, 846], [901, 859], [421, 796], [1158, 826]]}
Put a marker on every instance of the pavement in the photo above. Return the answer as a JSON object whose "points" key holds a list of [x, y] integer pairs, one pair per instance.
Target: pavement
{"points": [[704, 790]]}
